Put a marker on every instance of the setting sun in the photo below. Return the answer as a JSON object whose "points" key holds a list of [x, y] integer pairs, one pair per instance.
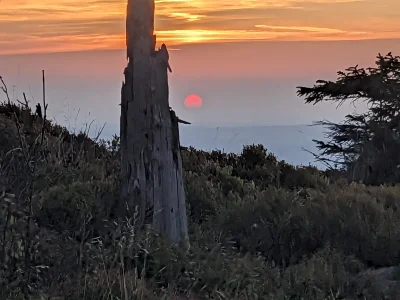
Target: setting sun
{"points": [[193, 101]]}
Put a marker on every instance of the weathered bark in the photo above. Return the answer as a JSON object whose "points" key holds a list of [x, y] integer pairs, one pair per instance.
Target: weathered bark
{"points": [[151, 165]]}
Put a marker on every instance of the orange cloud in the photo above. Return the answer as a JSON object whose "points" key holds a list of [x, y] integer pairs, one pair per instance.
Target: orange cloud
{"points": [[69, 25]]}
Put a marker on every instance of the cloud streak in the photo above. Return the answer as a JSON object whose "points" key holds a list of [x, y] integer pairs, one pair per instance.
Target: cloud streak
{"points": [[69, 25]]}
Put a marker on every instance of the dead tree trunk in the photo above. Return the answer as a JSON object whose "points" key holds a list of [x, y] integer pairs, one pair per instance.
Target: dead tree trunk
{"points": [[151, 165]]}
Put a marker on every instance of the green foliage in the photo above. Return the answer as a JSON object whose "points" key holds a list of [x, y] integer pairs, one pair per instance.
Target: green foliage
{"points": [[259, 227], [73, 206], [366, 144]]}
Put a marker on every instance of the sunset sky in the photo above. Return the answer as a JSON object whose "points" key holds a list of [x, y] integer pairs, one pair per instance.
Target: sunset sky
{"points": [[68, 25], [244, 58]]}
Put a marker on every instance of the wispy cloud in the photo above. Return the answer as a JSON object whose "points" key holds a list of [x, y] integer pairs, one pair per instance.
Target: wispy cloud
{"points": [[66, 25], [302, 29]]}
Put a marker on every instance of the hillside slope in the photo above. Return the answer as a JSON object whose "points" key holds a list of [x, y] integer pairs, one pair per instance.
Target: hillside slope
{"points": [[259, 228]]}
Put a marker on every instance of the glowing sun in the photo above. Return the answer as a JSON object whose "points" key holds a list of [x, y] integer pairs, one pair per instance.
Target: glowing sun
{"points": [[193, 101]]}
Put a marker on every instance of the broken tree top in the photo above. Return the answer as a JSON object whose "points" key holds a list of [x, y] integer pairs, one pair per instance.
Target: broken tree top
{"points": [[140, 27], [162, 55]]}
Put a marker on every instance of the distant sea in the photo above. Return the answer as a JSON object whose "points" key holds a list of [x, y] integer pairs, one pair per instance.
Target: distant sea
{"points": [[286, 142]]}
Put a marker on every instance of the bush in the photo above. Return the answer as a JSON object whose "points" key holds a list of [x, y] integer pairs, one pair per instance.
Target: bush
{"points": [[259, 228]]}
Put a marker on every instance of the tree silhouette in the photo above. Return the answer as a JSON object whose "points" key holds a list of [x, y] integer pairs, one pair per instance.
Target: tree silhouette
{"points": [[152, 191], [365, 145]]}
